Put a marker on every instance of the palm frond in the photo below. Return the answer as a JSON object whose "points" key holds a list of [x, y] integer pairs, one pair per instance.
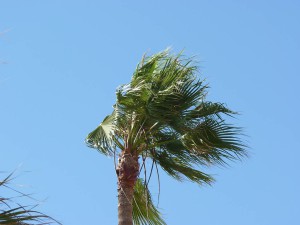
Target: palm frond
{"points": [[207, 109], [23, 215], [13, 213], [214, 142], [144, 211], [179, 168], [102, 137]]}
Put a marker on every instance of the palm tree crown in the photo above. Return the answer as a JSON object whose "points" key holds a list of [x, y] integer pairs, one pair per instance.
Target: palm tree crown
{"points": [[162, 115]]}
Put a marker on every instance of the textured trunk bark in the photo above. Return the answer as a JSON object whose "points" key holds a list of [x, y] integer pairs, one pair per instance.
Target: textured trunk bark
{"points": [[127, 171]]}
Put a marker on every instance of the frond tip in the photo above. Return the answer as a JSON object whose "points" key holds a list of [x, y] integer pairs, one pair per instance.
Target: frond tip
{"points": [[13, 213], [144, 211]]}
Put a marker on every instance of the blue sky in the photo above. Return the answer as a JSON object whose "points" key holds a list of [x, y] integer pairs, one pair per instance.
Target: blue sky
{"points": [[64, 59]]}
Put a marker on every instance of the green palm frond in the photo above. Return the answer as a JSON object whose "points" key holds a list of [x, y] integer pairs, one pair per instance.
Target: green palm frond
{"points": [[179, 168], [171, 103], [12, 213], [23, 216], [214, 142], [102, 137], [173, 145], [207, 109], [144, 211]]}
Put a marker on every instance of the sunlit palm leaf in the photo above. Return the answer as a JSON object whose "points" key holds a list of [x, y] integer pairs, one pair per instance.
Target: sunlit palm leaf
{"points": [[101, 138]]}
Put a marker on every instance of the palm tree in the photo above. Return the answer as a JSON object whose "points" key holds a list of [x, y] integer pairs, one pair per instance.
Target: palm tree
{"points": [[13, 213], [162, 116]]}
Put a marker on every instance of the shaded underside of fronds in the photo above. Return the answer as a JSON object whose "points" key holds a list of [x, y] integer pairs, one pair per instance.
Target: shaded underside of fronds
{"points": [[144, 210]]}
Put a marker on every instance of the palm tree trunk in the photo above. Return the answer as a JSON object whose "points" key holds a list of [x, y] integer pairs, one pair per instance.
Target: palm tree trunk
{"points": [[127, 171]]}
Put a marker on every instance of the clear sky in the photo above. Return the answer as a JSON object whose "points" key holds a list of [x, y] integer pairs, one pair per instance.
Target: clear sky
{"points": [[62, 61]]}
